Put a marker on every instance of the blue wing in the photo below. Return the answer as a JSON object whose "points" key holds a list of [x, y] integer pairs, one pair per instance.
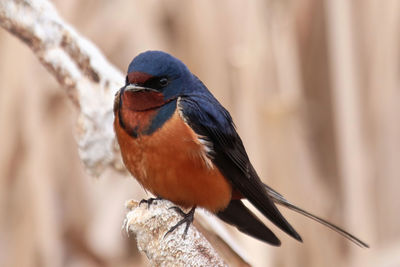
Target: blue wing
{"points": [[206, 116]]}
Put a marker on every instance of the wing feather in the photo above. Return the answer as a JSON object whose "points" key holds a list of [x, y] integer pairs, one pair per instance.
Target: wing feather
{"points": [[206, 116]]}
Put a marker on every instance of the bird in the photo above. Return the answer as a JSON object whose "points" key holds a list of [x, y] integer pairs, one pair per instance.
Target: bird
{"points": [[181, 144]]}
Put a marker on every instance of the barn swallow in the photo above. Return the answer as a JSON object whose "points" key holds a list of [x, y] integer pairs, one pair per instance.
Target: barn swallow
{"points": [[181, 144]]}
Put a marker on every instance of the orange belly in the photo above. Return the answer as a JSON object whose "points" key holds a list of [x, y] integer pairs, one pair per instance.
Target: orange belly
{"points": [[171, 163]]}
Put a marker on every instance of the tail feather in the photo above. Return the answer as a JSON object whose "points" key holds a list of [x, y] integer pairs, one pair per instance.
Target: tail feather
{"points": [[279, 199], [237, 214]]}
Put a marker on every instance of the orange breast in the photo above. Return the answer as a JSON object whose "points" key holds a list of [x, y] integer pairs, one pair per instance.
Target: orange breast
{"points": [[171, 163]]}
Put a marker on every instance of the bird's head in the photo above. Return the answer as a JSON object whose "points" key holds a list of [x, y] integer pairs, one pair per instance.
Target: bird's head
{"points": [[154, 78]]}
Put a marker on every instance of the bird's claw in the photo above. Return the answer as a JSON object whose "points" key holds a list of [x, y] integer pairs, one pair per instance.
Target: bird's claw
{"points": [[149, 201], [178, 210], [187, 218]]}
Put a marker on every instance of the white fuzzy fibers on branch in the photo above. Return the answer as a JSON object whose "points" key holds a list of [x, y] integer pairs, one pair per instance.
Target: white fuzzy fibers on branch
{"points": [[88, 78], [150, 223]]}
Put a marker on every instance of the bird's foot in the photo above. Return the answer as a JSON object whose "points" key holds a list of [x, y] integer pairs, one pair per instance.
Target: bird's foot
{"points": [[187, 218], [149, 201]]}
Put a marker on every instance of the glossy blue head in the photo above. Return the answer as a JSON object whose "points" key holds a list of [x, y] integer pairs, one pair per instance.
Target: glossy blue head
{"points": [[157, 71]]}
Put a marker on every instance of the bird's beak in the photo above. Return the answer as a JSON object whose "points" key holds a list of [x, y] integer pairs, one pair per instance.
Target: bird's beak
{"points": [[136, 88]]}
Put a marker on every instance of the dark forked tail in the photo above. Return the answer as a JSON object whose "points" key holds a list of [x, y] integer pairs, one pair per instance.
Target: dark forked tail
{"points": [[279, 199], [237, 214]]}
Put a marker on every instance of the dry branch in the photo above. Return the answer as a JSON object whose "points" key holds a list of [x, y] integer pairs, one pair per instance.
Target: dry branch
{"points": [[87, 77], [150, 223]]}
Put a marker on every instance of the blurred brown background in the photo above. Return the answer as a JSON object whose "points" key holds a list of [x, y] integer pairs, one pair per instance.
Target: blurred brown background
{"points": [[313, 87]]}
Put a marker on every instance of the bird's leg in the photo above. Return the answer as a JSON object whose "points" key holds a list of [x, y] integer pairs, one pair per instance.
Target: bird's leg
{"points": [[187, 218], [149, 201]]}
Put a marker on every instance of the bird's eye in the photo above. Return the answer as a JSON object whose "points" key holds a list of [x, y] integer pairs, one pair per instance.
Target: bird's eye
{"points": [[163, 82]]}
